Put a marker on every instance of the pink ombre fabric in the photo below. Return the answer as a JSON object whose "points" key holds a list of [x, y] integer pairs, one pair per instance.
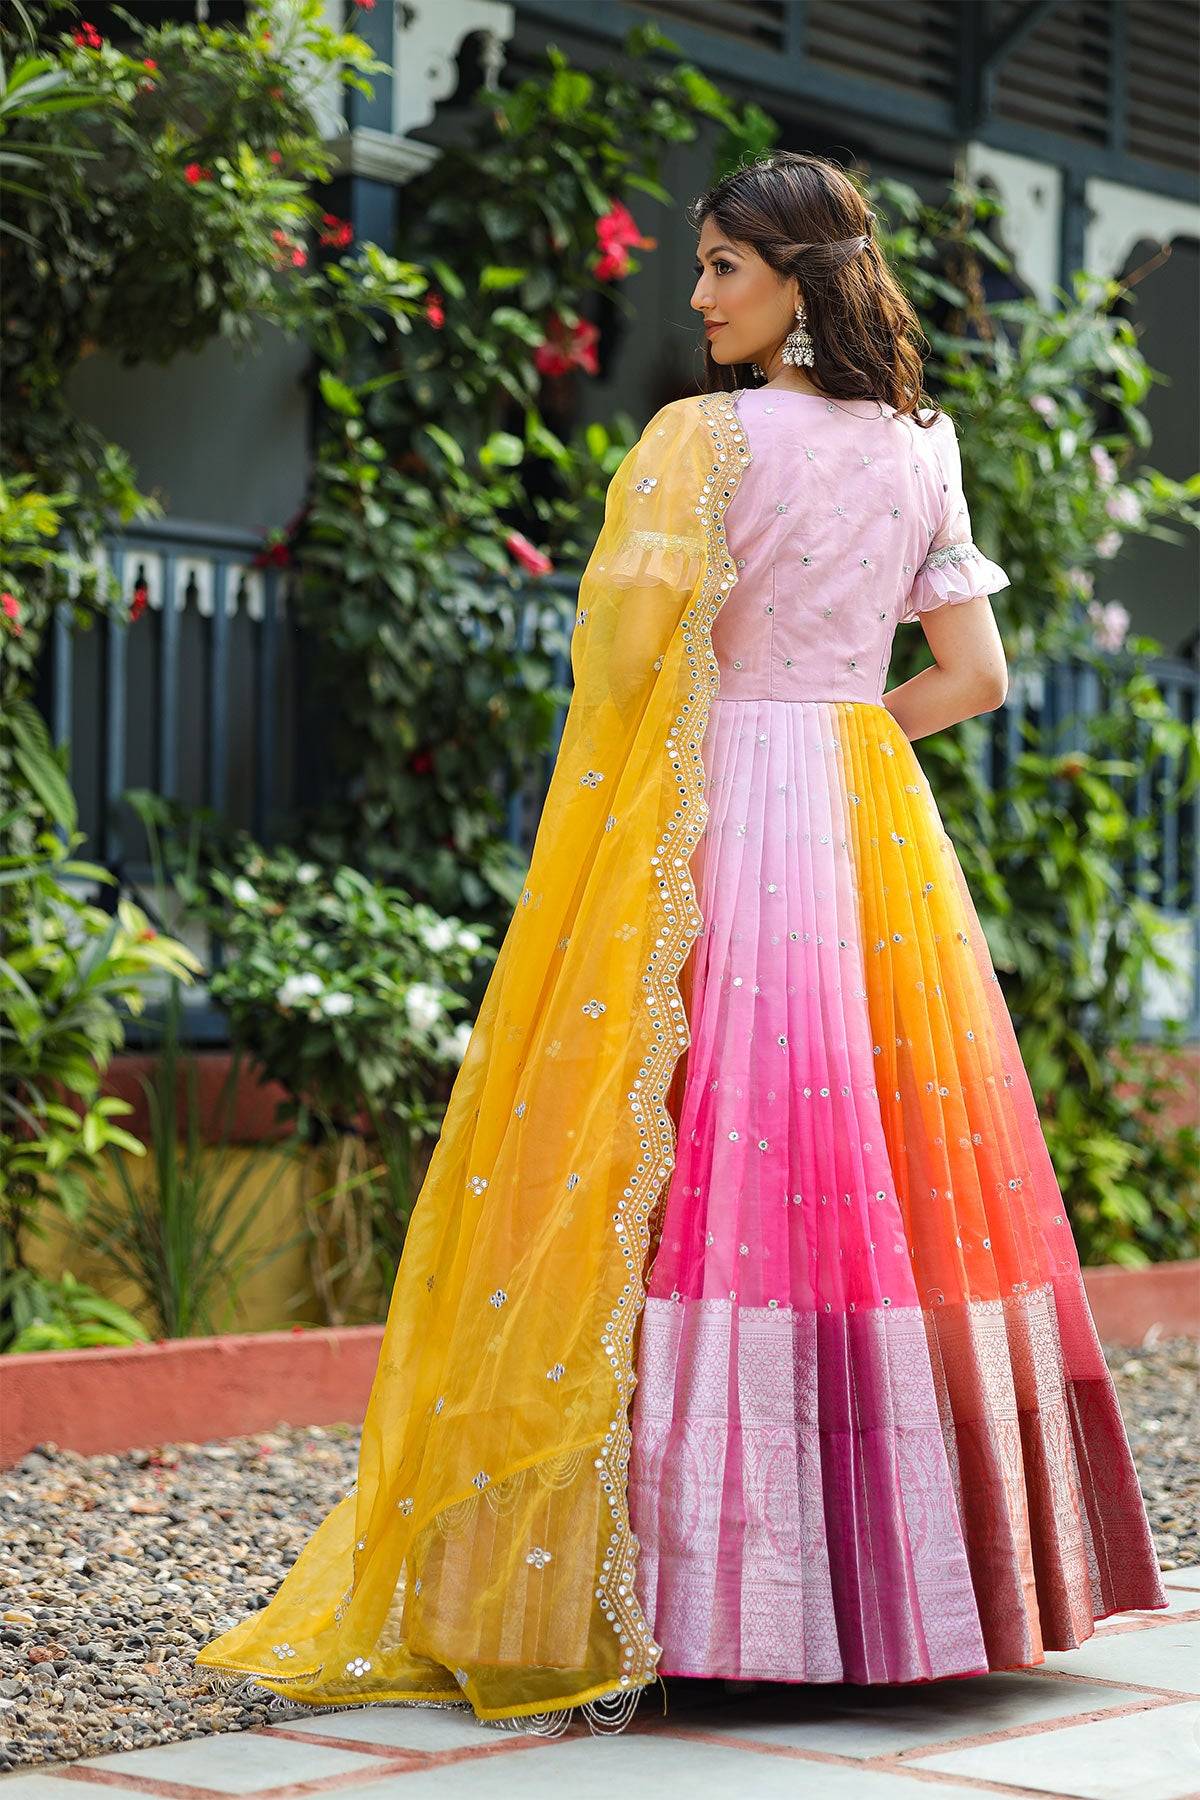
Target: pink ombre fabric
{"points": [[874, 1436]]}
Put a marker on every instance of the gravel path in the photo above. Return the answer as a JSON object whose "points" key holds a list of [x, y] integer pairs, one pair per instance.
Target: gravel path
{"points": [[115, 1569]]}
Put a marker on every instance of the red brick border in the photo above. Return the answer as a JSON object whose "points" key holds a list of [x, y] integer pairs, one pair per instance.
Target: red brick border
{"points": [[198, 1389]]}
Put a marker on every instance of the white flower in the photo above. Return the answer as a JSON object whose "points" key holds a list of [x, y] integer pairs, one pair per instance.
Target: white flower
{"points": [[1082, 579], [456, 1044], [469, 940], [307, 871], [1124, 506], [245, 892], [423, 1004], [1107, 544], [1043, 404], [297, 988], [438, 936], [334, 1006]]}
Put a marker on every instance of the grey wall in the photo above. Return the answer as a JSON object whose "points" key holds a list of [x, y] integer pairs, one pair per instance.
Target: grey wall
{"points": [[222, 438]]}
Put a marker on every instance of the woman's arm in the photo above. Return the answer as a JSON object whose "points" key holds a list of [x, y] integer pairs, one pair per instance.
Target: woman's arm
{"points": [[969, 673]]}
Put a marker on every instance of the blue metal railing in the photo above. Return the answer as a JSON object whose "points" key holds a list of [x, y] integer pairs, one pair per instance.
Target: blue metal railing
{"points": [[191, 701], [198, 701]]}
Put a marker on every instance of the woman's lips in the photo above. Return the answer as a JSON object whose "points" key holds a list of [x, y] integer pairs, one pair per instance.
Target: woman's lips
{"points": [[710, 328]]}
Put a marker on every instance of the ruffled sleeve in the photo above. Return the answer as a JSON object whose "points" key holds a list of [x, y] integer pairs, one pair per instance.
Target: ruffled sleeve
{"points": [[955, 569]]}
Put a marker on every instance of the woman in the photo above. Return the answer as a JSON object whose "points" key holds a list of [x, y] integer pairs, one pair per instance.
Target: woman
{"points": [[742, 1123]]}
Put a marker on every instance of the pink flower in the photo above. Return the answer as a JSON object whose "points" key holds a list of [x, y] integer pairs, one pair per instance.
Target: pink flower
{"points": [[1106, 468], [1044, 405], [527, 554], [299, 256], [1082, 579], [1107, 545], [275, 156], [435, 312], [1111, 622], [10, 606]]}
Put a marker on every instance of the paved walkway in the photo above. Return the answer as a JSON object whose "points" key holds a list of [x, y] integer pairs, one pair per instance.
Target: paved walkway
{"points": [[1118, 1719]]}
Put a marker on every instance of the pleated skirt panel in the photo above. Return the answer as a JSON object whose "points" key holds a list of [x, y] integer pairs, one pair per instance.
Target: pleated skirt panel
{"points": [[874, 1435]]}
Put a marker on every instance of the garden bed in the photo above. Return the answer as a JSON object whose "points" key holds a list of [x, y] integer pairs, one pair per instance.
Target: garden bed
{"points": [[94, 1401]]}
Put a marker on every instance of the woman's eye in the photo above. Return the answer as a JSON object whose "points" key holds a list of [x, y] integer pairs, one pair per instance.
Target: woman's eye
{"points": [[719, 264]]}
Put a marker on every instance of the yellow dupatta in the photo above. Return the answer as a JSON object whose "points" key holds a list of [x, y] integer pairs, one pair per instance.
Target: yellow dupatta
{"points": [[485, 1553]]}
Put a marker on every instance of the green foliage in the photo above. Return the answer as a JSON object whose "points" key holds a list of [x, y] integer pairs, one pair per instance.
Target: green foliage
{"points": [[173, 204], [70, 973], [174, 1232], [434, 452], [62, 1315], [342, 990], [1048, 854], [1076, 946]]}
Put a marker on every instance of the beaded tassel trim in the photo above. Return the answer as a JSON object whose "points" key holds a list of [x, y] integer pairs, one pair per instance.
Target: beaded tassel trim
{"points": [[605, 1716]]}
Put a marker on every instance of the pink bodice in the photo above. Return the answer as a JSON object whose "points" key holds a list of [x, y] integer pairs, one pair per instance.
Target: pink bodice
{"points": [[849, 519]]}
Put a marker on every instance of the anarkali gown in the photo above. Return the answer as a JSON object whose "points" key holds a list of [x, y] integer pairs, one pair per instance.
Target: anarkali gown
{"points": [[739, 1329], [874, 1435]]}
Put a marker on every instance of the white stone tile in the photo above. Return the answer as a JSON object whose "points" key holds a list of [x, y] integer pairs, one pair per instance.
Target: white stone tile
{"points": [[1168, 1656], [1179, 1600], [26, 1785], [1150, 1755], [396, 1727], [597, 1768], [861, 1721], [1182, 1578], [239, 1762]]}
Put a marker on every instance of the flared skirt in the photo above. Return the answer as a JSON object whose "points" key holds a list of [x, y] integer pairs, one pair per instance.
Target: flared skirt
{"points": [[874, 1435]]}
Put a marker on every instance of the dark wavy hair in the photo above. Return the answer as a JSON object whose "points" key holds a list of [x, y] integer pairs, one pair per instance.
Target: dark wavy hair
{"points": [[806, 217]]}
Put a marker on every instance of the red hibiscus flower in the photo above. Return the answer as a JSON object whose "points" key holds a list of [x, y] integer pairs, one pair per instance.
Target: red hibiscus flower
{"points": [[193, 172], [11, 608], [435, 311], [87, 36], [527, 554], [617, 233], [275, 156], [337, 232], [562, 350]]}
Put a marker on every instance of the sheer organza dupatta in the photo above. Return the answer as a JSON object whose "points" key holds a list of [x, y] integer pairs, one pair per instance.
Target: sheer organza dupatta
{"points": [[485, 1554]]}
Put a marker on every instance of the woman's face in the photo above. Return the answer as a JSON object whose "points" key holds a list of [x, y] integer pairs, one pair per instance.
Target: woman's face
{"points": [[747, 309]]}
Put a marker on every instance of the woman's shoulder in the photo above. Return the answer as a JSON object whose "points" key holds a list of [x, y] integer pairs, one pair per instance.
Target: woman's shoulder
{"points": [[938, 438]]}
